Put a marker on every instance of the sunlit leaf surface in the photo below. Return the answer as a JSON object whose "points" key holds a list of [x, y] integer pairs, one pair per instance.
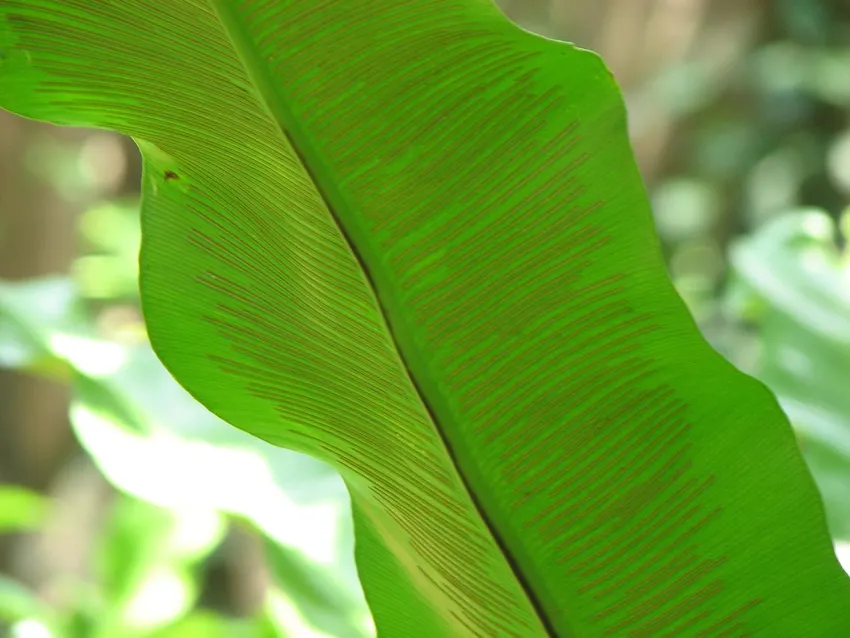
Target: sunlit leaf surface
{"points": [[409, 239]]}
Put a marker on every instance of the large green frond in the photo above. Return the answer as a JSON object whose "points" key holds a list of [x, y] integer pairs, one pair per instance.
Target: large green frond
{"points": [[409, 238]]}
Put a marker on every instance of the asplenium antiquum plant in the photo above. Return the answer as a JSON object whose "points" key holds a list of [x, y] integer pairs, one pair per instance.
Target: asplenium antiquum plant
{"points": [[409, 238]]}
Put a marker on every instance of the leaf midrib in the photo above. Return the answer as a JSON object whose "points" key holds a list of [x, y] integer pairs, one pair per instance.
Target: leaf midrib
{"points": [[271, 98]]}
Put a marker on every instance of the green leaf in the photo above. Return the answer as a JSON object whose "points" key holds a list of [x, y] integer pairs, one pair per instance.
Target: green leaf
{"points": [[790, 271], [127, 434], [202, 464], [794, 265], [315, 594], [21, 509], [44, 330], [145, 563], [112, 229], [410, 239], [103, 401], [209, 625], [30, 312]]}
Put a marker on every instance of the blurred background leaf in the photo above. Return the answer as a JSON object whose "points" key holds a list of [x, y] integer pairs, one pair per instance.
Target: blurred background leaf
{"points": [[21, 509], [128, 510]]}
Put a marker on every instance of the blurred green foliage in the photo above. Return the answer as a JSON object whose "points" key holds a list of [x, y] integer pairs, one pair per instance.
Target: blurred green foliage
{"points": [[793, 283], [751, 201], [140, 428], [183, 476], [21, 509]]}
